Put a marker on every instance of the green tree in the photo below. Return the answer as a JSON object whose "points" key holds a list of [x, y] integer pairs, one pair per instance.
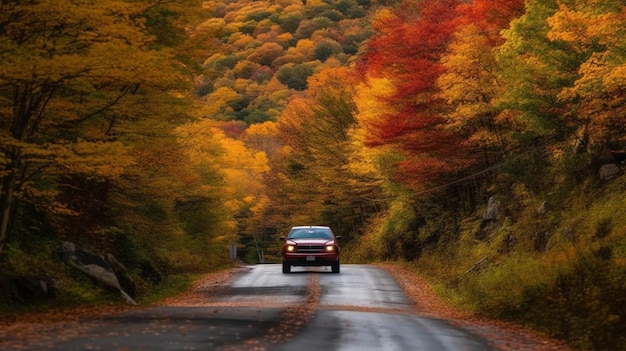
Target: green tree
{"points": [[597, 95], [295, 76], [327, 48], [535, 69]]}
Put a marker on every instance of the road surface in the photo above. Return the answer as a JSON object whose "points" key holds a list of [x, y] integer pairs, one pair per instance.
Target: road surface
{"points": [[311, 309]]}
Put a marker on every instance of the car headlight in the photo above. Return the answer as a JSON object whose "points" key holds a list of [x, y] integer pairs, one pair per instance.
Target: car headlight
{"points": [[290, 248], [330, 248]]}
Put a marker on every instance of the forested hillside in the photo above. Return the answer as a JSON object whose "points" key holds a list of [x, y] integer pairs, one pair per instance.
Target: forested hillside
{"points": [[482, 142]]}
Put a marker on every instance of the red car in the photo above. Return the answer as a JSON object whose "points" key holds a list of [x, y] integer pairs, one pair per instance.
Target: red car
{"points": [[311, 246]]}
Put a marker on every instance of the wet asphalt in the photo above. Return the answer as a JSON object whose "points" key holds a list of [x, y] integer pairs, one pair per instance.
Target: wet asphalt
{"points": [[360, 309]]}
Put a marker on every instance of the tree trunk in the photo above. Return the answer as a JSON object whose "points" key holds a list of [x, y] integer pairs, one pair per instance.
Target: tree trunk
{"points": [[6, 201]]}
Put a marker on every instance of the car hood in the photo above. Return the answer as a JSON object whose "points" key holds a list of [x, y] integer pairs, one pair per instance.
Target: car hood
{"points": [[310, 241]]}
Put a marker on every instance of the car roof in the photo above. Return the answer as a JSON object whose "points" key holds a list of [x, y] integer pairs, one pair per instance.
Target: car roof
{"points": [[310, 226]]}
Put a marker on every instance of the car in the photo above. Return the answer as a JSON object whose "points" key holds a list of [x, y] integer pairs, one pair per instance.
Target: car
{"points": [[311, 246]]}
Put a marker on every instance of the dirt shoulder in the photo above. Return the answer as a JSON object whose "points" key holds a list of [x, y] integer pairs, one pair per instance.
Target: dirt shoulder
{"points": [[503, 336]]}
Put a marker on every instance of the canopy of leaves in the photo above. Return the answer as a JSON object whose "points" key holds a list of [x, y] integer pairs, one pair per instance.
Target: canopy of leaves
{"points": [[290, 40], [90, 94], [595, 31], [414, 119]]}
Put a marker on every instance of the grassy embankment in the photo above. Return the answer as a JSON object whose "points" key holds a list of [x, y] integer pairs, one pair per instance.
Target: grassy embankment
{"points": [[72, 288], [554, 260]]}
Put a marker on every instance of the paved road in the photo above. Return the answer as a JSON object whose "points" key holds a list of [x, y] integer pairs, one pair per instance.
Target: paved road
{"points": [[308, 310]]}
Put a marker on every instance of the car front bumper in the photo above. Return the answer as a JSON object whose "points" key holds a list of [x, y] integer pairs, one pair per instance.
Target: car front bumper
{"points": [[304, 259]]}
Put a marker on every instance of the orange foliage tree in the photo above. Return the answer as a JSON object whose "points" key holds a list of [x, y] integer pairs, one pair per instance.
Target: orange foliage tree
{"points": [[314, 178]]}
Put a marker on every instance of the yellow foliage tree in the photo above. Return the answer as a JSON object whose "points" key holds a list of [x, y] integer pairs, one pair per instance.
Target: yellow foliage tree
{"points": [[370, 99], [317, 170], [470, 87], [71, 74], [599, 27]]}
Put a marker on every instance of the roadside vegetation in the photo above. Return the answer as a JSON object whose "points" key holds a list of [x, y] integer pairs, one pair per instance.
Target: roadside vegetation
{"points": [[552, 260], [481, 143]]}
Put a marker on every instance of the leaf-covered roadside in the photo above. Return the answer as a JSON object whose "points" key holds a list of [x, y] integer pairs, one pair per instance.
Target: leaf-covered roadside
{"points": [[26, 329], [501, 335]]}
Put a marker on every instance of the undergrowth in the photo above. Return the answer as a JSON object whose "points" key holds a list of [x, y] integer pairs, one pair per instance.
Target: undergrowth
{"points": [[554, 259], [70, 288], [560, 271], [171, 286]]}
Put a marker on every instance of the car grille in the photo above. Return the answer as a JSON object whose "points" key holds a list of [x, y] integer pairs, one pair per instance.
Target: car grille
{"points": [[310, 248]]}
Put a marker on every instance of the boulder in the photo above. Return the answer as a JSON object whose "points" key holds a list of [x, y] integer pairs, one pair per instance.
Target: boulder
{"points": [[493, 209], [127, 283], [489, 218], [608, 171], [93, 265]]}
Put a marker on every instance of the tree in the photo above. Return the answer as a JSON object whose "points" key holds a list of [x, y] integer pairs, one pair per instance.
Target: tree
{"points": [[315, 170], [295, 76], [327, 48], [470, 83], [414, 120], [266, 54], [262, 137], [597, 95], [71, 73], [241, 165], [534, 70]]}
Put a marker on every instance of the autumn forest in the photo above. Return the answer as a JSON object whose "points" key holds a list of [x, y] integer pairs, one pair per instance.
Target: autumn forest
{"points": [[479, 142]]}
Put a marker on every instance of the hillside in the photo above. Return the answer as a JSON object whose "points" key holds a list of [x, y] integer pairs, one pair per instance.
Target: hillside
{"points": [[480, 142], [264, 52]]}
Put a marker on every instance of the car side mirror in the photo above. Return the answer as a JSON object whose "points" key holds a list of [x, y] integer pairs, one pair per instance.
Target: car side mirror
{"points": [[282, 238], [338, 237]]}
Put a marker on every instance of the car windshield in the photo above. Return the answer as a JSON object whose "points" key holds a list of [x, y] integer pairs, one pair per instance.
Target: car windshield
{"points": [[310, 233]]}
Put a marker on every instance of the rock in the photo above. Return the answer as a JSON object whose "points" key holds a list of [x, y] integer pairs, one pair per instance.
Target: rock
{"points": [[92, 265], [89, 263], [490, 217], [493, 209], [126, 281], [609, 171]]}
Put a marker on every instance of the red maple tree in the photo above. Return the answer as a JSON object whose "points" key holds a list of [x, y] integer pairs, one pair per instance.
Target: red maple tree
{"points": [[406, 51]]}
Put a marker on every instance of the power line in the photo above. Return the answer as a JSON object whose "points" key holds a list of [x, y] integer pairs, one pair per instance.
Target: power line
{"points": [[484, 171]]}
